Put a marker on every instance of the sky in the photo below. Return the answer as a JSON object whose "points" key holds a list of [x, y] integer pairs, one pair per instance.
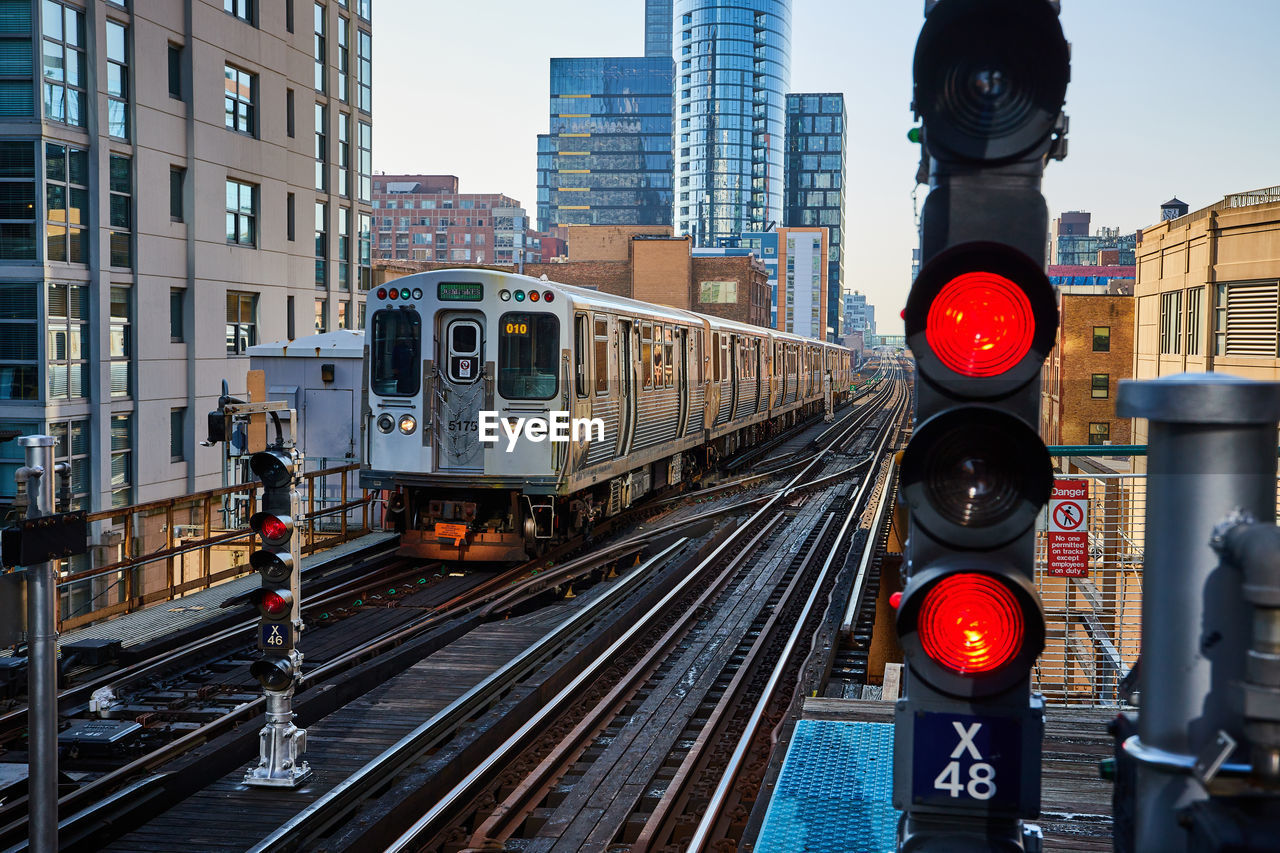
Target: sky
{"points": [[1167, 98]]}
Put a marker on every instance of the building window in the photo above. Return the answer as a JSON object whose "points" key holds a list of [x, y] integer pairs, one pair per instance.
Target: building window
{"points": [[344, 155], [121, 342], [319, 48], [322, 244], [288, 113], [364, 70], [1171, 322], [1102, 339], [16, 70], [365, 237], [175, 71], [290, 218], [1220, 319], [177, 434], [71, 445], [365, 142], [322, 316], [342, 314], [1195, 318], [344, 249], [64, 65], [177, 296], [117, 80], [321, 153], [121, 460], [177, 181], [67, 203], [17, 201], [240, 95], [364, 8], [68, 334], [1100, 433], [242, 9], [19, 321], [1100, 385], [242, 215], [121, 185], [242, 325], [344, 56]]}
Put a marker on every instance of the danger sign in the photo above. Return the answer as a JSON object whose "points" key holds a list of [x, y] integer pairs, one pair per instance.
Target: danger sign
{"points": [[1069, 529]]}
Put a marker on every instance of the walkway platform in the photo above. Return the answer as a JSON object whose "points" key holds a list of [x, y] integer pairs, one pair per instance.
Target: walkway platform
{"points": [[165, 618], [835, 789]]}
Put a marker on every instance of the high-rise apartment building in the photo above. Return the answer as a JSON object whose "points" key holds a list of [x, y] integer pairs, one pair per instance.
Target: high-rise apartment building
{"points": [[815, 182], [802, 281], [733, 68], [425, 218], [156, 174], [607, 158]]}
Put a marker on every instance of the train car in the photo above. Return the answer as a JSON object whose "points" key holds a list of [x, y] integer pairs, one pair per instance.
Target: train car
{"points": [[505, 413]]}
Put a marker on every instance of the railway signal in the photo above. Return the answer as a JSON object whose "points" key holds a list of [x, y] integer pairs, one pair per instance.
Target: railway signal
{"points": [[990, 84], [278, 563]]}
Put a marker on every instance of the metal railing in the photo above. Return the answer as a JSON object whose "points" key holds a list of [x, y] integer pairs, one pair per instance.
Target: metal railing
{"points": [[161, 550], [1094, 623]]}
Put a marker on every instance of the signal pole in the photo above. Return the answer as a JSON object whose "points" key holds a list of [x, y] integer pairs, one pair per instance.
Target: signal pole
{"points": [[278, 601], [990, 83]]}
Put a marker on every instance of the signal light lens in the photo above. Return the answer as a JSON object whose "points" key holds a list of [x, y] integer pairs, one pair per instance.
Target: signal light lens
{"points": [[970, 623], [417, 293], [534, 296], [273, 528], [273, 604], [382, 293], [519, 296], [548, 296], [504, 295], [273, 467], [980, 324]]}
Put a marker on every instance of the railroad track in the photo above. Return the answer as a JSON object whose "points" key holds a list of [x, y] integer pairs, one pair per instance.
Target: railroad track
{"points": [[236, 700], [448, 817]]}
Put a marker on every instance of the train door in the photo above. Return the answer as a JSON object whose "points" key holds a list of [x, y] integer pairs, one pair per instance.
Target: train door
{"points": [[757, 366], [735, 362], [459, 392], [682, 379], [626, 385]]}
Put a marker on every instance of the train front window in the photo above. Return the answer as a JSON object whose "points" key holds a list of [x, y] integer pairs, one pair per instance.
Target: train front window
{"points": [[528, 356], [396, 353]]}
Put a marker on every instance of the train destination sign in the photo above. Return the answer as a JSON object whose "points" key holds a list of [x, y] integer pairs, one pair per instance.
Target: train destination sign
{"points": [[460, 291]]}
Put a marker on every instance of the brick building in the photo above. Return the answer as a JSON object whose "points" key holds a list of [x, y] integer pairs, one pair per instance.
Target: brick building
{"points": [[426, 218], [646, 263], [1094, 350]]}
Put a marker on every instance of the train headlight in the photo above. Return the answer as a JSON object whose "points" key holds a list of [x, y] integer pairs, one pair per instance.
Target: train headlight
{"points": [[386, 423], [408, 423]]}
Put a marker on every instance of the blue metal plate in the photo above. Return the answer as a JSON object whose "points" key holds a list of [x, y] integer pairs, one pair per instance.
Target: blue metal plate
{"points": [[960, 759], [275, 636], [835, 791]]}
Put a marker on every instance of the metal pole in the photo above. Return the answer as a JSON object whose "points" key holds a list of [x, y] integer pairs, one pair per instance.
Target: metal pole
{"points": [[1211, 451], [42, 690]]}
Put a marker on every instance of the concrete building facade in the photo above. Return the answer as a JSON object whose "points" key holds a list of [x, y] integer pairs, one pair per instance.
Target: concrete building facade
{"points": [[733, 68], [802, 281], [815, 183], [1208, 292], [157, 176], [426, 218]]}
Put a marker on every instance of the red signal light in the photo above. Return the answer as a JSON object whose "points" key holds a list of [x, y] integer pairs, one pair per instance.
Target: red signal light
{"points": [[548, 296], [273, 528], [382, 293], [980, 324], [273, 604], [970, 623]]}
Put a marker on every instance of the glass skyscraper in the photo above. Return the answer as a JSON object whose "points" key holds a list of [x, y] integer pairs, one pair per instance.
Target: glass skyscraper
{"points": [[733, 67], [657, 28], [815, 181], [607, 159]]}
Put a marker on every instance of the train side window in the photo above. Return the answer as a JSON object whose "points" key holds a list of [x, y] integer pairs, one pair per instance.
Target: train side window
{"points": [[668, 348], [602, 355], [580, 349], [724, 357], [715, 356], [395, 353], [646, 356], [657, 357]]}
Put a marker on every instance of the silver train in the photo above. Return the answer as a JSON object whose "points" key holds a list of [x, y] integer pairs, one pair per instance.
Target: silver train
{"points": [[644, 396]]}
